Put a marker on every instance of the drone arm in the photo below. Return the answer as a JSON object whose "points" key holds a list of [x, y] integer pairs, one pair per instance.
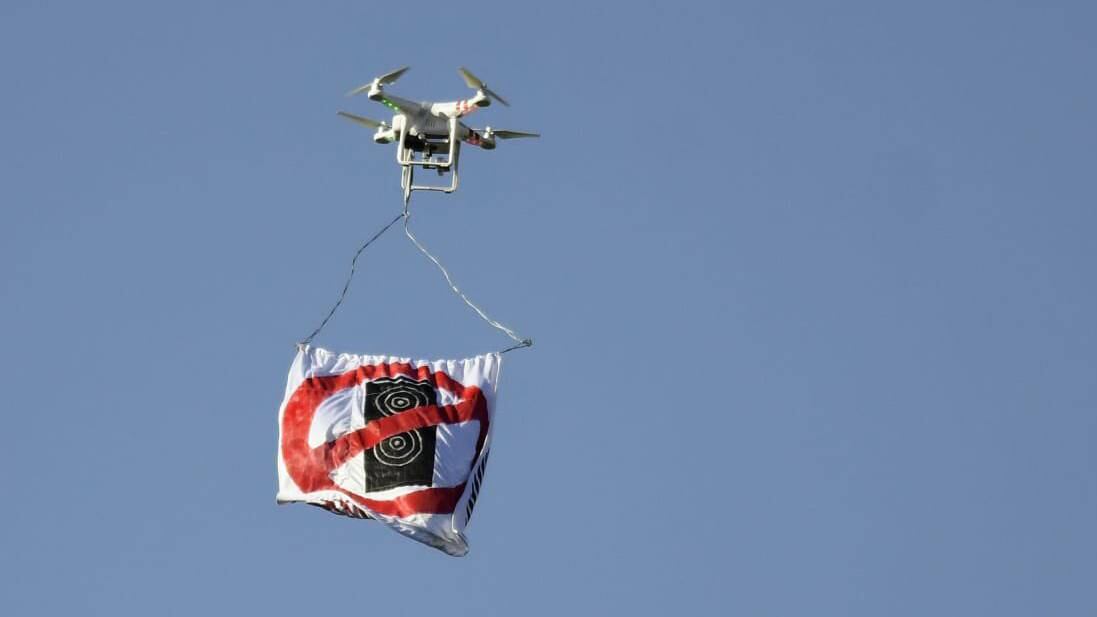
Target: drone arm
{"points": [[486, 138], [476, 138], [397, 104]]}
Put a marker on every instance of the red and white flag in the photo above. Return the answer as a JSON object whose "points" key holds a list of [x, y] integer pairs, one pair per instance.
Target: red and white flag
{"points": [[400, 441]]}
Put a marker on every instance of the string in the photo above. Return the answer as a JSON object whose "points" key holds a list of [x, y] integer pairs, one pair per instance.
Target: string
{"points": [[346, 286], [520, 342]]}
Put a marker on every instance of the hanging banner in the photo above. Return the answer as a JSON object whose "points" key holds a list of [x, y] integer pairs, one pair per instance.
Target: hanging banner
{"points": [[400, 441]]}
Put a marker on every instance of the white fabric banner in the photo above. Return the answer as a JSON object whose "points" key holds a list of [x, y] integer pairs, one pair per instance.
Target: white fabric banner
{"points": [[400, 441]]}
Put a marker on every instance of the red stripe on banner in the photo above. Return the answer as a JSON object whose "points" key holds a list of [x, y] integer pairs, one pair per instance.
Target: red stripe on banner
{"points": [[348, 446], [310, 468], [427, 501]]}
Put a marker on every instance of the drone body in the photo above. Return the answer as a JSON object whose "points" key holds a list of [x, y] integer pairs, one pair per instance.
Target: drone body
{"points": [[430, 134]]}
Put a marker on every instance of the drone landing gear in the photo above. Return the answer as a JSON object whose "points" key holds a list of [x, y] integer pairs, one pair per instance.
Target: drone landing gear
{"points": [[409, 161]]}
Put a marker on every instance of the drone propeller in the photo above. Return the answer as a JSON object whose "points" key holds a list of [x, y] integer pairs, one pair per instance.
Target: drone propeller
{"points": [[368, 122], [384, 80], [475, 83], [390, 78], [502, 134], [513, 134]]}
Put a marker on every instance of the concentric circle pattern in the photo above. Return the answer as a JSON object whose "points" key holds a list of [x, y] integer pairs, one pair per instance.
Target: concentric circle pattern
{"points": [[401, 398], [399, 450]]}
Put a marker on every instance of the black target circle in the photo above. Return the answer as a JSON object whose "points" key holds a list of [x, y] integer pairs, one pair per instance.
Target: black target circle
{"points": [[400, 398], [399, 450]]}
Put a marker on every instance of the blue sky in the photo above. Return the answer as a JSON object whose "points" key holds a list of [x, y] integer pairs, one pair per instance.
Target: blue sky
{"points": [[811, 288]]}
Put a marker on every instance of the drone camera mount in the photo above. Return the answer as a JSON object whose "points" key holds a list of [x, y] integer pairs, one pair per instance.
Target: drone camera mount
{"points": [[408, 161]]}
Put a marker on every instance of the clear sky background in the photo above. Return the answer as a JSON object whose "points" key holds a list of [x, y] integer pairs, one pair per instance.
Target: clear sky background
{"points": [[812, 289]]}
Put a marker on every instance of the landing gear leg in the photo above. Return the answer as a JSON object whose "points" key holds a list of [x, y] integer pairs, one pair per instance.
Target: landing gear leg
{"points": [[407, 176]]}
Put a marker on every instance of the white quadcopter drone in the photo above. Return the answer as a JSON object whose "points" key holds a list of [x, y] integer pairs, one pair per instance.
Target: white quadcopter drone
{"points": [[424, 131]]}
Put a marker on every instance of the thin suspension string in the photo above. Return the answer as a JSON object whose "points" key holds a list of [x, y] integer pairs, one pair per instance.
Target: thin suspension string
{"points": [[520, 342], [406, 215], [346, 286]]}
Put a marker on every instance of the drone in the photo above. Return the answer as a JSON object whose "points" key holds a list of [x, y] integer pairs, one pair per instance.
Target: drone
{"points": [[428, 134]]}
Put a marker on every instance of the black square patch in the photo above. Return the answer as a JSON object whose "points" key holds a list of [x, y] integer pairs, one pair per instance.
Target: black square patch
{"points": [[406, 459]]}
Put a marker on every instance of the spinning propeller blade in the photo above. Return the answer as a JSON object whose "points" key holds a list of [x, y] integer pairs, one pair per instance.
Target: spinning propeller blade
{"points": [[475, 83], [470, 79], [369, 122], [504, 134], [390, 78], [384, 80], [360, 89]]}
